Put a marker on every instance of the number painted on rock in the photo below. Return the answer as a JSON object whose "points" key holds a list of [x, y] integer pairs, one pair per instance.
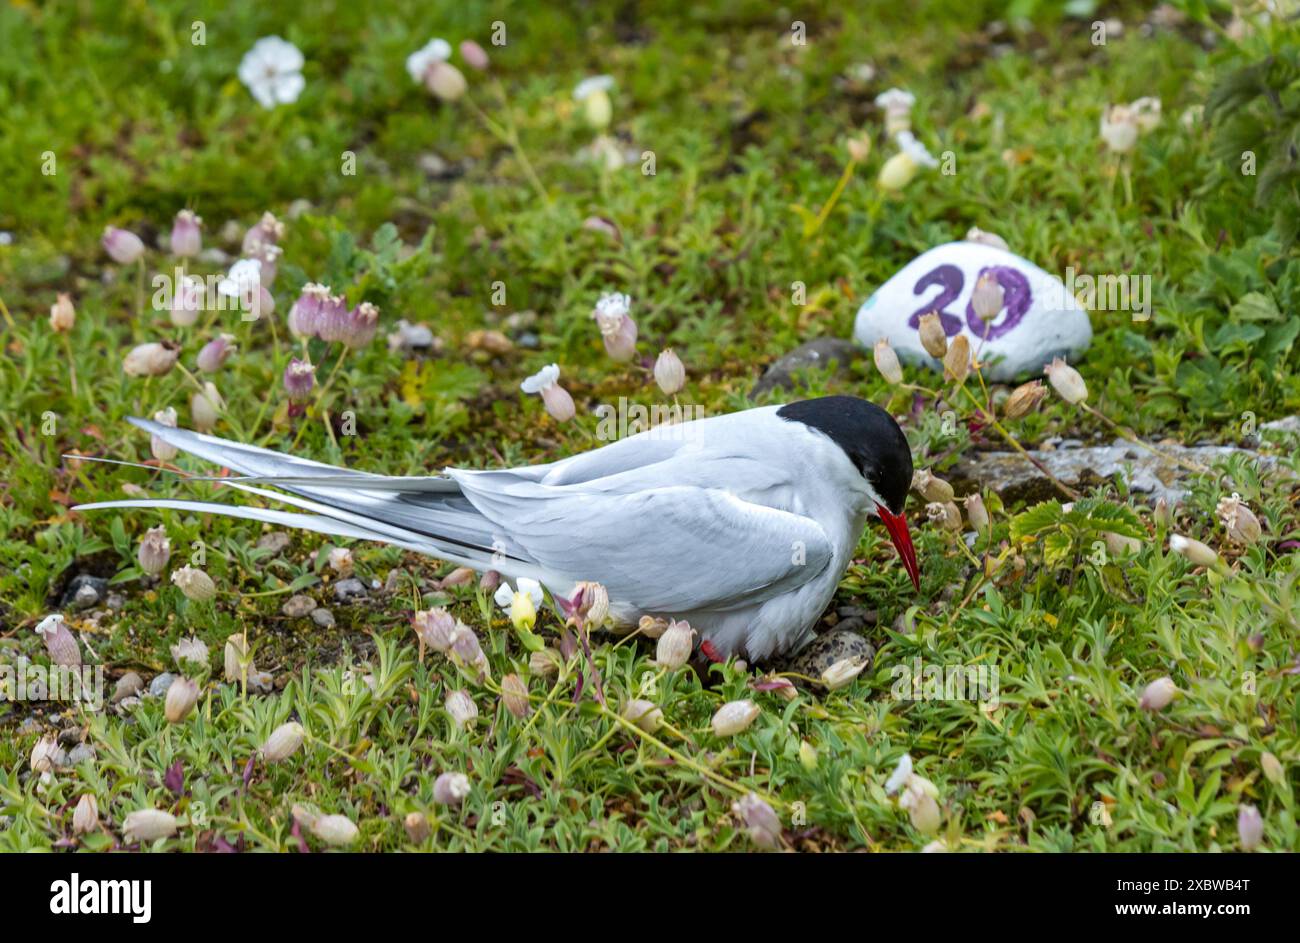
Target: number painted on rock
{"points": [[950, 279]]}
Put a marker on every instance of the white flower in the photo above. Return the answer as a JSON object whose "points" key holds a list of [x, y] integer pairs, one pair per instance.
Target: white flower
{"points": [[418, 62], [900, 776], [547, 376], [611, 305], [1146, 112], [272, 71], [505, 596], [1119, 128], [909, 145], [589, 86], [243, 280], [895, 99]]}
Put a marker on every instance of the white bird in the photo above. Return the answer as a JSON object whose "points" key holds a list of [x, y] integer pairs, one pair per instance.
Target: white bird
{"points": [[740, 524]]}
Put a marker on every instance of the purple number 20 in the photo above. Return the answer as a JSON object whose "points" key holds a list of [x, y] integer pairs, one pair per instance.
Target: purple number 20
{"points": [[1016, 292]]}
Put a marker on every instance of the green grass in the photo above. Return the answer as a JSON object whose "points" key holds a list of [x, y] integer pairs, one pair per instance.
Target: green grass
{"points": [[748, 133]]}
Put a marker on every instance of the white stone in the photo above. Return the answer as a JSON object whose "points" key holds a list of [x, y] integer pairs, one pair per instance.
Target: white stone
{"points": [[1039, 320]]}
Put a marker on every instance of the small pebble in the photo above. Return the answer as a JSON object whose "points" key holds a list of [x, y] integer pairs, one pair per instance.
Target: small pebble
{"points": [[275, 541], [115, 601], [298, 606], [352, 588], [323, 617], [159, 685], [129, 685], [85, 591], [81, 753]]}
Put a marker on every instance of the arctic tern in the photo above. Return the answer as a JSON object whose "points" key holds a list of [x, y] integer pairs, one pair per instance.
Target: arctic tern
{"points": [[741, 524]]}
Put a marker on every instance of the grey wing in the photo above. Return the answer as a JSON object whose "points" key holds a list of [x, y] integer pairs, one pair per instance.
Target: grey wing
{"points": [[667, 549]]}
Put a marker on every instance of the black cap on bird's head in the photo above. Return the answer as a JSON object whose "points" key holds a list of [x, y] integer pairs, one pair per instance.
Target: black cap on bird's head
{"points": [[877, 448]]}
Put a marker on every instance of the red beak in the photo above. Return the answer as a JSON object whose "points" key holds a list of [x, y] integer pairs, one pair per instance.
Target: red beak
{"points": [[896, 524]]}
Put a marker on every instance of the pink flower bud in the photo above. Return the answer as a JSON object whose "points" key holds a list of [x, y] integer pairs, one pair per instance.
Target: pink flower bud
{"points": [[187, 240], [206, 407], [123, 247], [975, 234], [187, 300], [299, 378], [1250, 827], [148, 825], [215, 353], [85, 818], [734, 717], [514, 695], [194, 584], [1194, 551], [474, 55], [988, 298], [933, 338], [462, 708], [759, 820], [361, 324], [1242, 525]]}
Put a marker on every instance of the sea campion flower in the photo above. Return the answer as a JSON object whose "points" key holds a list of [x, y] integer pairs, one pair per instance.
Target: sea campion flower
{"points": [[423, 59], [243, 282], [588, 607], [1066, 381], [988, 297], [151, 360], [154, 550], [593, 93], [976, 512], [1119, 128], [644, 714], [122, 246], [190, 653], [1197, 553], [206, 406], [944, 514], [734, 717], [558, 402], [887, 362], [85, 818], [514, 695], [340, 561], [1158, 695], [670, 372], [267, 231], [760, 821], [617, 329], [283, 742], [194, 584], [1024, 399], [931, 487], [215, 353], [62, 314], [933, 337], [187, 240], [897, 105], [461, 707], [59, 643], [956, 362], [451, 788], [434, 628], [475, 56], [916, 794], [181, 698], [975, 234], [160, 449], [272, 72], [305, 315], [269, 255], [1240, 521], [841, 673], [520, 607], [148, 825], [188, 299], [1250, 827], [899, 170], [675, 646], [299, 378]]}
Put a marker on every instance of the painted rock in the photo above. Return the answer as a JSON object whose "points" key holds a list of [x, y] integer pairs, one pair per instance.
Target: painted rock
{"points": [[1039, 320]]}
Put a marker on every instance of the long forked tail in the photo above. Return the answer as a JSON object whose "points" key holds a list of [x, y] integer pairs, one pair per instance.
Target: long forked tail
{"points": [[426, 514]]}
